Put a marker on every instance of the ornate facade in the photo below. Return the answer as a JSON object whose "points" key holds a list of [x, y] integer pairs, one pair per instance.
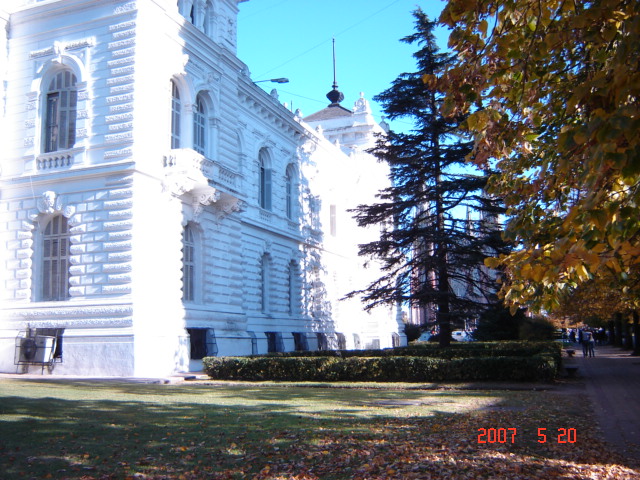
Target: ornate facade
{"points": [[156, 205]]}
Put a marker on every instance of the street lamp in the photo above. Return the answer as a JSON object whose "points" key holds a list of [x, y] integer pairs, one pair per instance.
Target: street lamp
{"points": [[274, 80]]}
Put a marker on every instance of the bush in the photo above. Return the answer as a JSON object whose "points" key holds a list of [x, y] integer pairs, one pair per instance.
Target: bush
{"points": [[537, 328], [412, 332], [532, 367]]}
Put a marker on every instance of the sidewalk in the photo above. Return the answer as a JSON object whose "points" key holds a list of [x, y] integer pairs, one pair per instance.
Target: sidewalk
{"points": [[612, 380]]}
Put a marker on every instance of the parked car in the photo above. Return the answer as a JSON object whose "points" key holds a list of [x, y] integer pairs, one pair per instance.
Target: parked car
{"points": [[461, 336], [424, 337]]}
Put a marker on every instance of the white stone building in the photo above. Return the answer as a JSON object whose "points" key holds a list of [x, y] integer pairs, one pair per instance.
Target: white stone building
{"points": [[156, 206]]}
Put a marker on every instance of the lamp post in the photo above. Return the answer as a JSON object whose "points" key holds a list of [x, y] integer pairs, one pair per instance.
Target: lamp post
{"points": [[274, 80]]}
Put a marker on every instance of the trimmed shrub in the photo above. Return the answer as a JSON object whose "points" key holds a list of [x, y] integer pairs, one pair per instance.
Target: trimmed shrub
{"points": [[540, 367], [455, 350]]}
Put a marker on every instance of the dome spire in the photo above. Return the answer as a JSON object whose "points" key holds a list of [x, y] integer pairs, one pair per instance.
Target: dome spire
{"points": [[335, 96]]}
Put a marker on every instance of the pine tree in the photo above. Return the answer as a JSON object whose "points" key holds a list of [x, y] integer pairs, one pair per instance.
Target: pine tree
{"points": [[432, 257]]}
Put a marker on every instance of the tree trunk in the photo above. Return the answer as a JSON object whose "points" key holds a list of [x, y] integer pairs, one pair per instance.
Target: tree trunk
{"points": [[612, 332], [636, 333], [628, 338], [618, 330]]}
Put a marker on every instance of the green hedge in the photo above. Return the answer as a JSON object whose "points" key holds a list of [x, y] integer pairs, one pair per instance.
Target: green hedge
{"points": [[455, 350], [539, 367]]}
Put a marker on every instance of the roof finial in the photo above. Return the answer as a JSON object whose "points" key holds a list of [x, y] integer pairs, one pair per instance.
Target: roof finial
{"points": [[335, 95]]}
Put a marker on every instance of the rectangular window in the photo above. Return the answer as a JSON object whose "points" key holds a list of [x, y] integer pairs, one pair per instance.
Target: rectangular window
{"points": [[188, 264], [322, 341], [332, 220], [55, 260], [274, 342], [199, 127], [265, 188], [198, 342], [300, 341], [291, 291], [61, 112], [51, 133], [175, 116]]}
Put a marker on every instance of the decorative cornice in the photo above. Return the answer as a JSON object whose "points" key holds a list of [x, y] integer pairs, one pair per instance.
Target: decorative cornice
{"points": [[81, 316], [60, 47]]}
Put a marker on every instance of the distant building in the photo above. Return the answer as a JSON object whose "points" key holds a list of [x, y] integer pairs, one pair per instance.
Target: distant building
{"points": [[156, 206]]}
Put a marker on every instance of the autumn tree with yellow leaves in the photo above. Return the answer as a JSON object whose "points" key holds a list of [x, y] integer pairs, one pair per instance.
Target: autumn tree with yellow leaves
{"points": [[553, 92]]}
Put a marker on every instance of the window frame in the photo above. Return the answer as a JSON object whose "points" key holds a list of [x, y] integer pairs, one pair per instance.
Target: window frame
{"points": [[60, 240], [200, 125], [289, 187], [189, 264], [265, 283], [266, 180], [176, 115], [292, 297], [60, 112]]}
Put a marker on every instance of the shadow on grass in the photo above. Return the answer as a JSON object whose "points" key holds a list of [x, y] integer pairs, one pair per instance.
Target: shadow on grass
{"points": [[115, 430]]}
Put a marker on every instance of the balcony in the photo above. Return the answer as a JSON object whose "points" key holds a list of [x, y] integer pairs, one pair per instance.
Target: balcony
{"points": [[208, 182], [198, 168]]}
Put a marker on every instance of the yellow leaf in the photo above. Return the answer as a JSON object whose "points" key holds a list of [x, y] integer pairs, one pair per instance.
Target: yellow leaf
{"points": [[429, 80], [491, 262], [582, 273], [482, 27], [538, 273], [580, 138]]}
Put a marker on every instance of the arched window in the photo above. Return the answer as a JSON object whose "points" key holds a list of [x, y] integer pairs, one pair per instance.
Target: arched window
{"points": [[289, 192], [188, 264], [55, 260], [199, 120], [61, 111], [265, 180], [208, 14], [176, 106]]}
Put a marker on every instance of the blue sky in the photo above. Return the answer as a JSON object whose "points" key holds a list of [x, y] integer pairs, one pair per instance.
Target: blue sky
{"points": [[293, 39]]}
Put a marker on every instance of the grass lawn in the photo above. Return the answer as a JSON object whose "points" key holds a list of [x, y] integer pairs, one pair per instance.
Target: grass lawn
{"points": [[70, 429]]}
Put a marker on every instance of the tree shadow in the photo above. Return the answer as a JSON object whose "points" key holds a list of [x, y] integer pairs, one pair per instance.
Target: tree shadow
{"points": [[115, 430]]}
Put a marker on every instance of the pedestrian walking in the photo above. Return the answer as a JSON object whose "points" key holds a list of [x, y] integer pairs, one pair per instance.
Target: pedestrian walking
{"points": [[591, 348], [586, 341]]}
